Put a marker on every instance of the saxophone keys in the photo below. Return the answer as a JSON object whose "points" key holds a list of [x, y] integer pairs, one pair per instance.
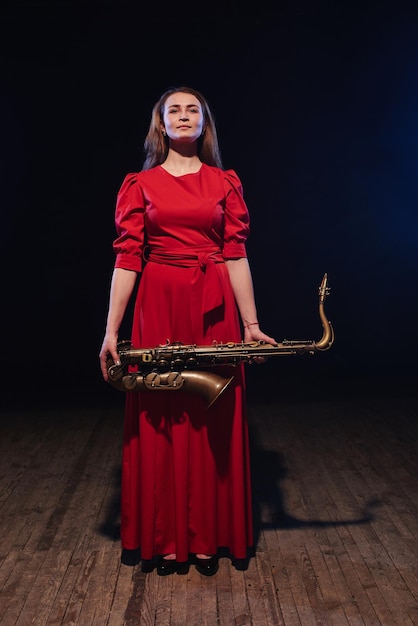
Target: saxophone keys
{"points": [[152, 380], [175, 380], [164, 381]]}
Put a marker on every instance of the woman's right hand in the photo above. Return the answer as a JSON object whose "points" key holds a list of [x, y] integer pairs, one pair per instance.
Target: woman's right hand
{"points": [[109, 347]]}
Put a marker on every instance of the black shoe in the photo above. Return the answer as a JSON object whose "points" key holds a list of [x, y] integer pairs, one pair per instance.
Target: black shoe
{"points": [[166, 567], [207, 567]]}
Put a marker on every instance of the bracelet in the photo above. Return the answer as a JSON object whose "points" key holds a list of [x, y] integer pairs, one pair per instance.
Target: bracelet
{"points": [[251, 324]]}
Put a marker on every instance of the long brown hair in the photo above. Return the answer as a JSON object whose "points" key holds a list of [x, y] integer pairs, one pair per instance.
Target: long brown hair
{"points": [[156, 145]]}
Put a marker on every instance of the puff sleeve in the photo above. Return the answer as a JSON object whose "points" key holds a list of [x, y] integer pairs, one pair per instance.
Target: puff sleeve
{"points": [[237, 220], [129, 222]]}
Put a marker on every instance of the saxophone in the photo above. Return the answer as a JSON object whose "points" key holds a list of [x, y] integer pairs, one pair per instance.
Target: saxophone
{"points": [[176, 366]]}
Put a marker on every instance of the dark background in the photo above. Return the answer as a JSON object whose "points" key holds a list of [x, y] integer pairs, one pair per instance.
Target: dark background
{"points": [[316, 105]]}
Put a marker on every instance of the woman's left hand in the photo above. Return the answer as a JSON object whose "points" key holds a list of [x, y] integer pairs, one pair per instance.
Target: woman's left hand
{"points": [[254, 333]]}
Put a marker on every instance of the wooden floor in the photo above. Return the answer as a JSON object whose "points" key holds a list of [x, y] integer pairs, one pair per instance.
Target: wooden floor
{"points": [[336, 510]]}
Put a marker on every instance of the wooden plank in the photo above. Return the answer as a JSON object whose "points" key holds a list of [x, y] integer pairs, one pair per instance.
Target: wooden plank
{"points": [[47, 466], [136, 608], [380, 590], [13, 594], [262, 594], [42, 590], [333, 605], [97, 603], [225, 611], [319, 494], [392, 563], [242, 613], [179, 600], [301, 453], [201, 599], [163, 589], [123, 591]]}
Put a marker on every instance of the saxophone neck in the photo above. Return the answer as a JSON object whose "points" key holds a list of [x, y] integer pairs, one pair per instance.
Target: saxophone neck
{"points": [[327, 338]]}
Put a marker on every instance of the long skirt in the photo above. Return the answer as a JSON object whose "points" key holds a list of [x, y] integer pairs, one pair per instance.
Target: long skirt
{"points": [[186, 484]]}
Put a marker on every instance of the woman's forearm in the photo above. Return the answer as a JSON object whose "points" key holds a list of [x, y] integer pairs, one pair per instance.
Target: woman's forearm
{"points": [[123, 283], [242, 286]]}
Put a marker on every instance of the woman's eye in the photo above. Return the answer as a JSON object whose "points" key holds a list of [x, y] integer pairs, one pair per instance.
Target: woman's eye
{"points": [[176, 110]]}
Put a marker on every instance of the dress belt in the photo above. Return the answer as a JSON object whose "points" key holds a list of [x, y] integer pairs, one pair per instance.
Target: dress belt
{"points": [[206, 261]]}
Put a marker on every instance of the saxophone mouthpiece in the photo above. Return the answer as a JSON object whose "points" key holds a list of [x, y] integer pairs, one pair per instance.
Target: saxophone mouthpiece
{"points": [[323, 288]]}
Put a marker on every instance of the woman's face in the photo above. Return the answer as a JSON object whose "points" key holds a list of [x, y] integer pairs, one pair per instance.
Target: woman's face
{"points": [[183, 119]]}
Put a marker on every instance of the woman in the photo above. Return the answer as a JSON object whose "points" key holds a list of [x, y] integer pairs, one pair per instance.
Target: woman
{"points": [[186, 489]]}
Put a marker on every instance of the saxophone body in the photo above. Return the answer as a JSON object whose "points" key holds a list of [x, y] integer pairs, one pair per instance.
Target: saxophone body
{"points": [[191, 368]]}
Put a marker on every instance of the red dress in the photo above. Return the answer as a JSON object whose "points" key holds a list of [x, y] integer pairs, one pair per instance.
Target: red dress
{"points": [[185, 468]]}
